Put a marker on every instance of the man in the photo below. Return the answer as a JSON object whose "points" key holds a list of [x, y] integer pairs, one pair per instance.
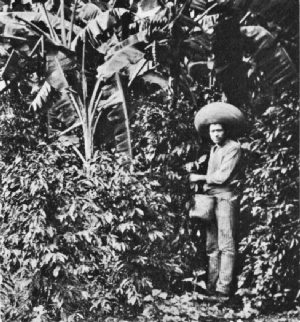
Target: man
{"points": [[220, 181]]}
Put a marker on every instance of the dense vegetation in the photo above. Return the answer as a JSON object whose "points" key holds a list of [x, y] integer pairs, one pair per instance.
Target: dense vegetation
{"points": [[93, 234]]}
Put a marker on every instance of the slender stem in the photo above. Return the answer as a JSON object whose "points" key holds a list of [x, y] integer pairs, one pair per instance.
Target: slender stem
{"points": [[98, 101], [58, 11], [48, 121], [72, 127], [52, 31], [83, 77], [33, 26], [62, 22], [44, 34], [14, 38], [96, 121], [87, 131], [36, 46], [43, 46], [87, 142], [92, 106], [72, 25], [76, 106], [185, 6], [79, 154], [206, 12], [94, 112], [248, 14]]}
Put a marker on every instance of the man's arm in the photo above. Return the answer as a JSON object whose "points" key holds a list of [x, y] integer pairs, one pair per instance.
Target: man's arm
{"points": [[197, 177], [228, 165]]}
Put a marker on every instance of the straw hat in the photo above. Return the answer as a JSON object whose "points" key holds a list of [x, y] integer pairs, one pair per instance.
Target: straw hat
{"points": [[223, 113]]}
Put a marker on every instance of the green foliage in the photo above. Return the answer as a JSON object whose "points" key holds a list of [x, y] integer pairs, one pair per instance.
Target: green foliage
{"points": [[271, 250]]}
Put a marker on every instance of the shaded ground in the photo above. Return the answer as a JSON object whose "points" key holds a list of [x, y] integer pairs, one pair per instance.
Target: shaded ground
{"points": [[192, 308], [280, 317]]}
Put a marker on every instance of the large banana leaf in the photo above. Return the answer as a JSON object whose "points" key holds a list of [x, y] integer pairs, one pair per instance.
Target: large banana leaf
{"points": [[35, 17], [120, 116], [54, 72], [121, 61], [268, 9], [88, 11], [59, 108], [13, 24], [99, 32], [62, 112], [199, 5], [21, 31], [273, 60], [25, 38], [16, 34], [40, 19]]}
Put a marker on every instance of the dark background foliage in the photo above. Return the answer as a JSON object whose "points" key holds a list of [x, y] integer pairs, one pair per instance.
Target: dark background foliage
{"points": [[271, 248]]}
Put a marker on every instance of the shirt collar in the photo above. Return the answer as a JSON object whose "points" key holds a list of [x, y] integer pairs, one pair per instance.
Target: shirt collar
{"points": [[216, 146]]}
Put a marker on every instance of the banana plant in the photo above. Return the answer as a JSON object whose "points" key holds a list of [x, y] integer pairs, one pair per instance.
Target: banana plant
{"points": [[68, 72], [88, 58]]}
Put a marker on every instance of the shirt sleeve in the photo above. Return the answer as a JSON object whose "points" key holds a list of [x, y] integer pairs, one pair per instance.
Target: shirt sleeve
{"points": [[228, 165]]}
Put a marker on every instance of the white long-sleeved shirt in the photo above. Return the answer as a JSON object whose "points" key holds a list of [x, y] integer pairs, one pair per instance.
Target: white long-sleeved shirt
{"points": [[223, 166]]}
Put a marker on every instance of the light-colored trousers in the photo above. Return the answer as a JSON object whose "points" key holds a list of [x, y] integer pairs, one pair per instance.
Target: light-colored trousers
{"points": [[221, 243]]}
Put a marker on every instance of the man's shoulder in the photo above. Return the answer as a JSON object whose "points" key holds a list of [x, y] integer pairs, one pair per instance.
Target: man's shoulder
{"points": [[232, 145]]}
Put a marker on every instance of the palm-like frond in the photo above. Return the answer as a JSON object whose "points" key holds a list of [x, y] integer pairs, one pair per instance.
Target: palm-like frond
{"points": [[99, 32], [40, 20], [88, 11], [62, 111], [267, 9], [274, 61], [42, 97], [199, 5], [123, 59], [6, 290]]}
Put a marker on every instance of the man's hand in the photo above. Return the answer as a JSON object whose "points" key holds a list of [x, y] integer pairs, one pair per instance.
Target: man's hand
{"points": [[189, 166], [197, 177]]}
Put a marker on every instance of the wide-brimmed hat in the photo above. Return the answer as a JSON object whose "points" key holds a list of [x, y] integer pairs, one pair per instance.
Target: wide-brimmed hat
{"points": [[222, 113]]}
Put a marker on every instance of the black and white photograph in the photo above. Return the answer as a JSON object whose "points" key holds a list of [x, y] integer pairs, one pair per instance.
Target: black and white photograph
{"points": [[149, 161]]}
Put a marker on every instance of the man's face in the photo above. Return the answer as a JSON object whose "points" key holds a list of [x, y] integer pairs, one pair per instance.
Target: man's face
{"points": [[217, 133]]}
